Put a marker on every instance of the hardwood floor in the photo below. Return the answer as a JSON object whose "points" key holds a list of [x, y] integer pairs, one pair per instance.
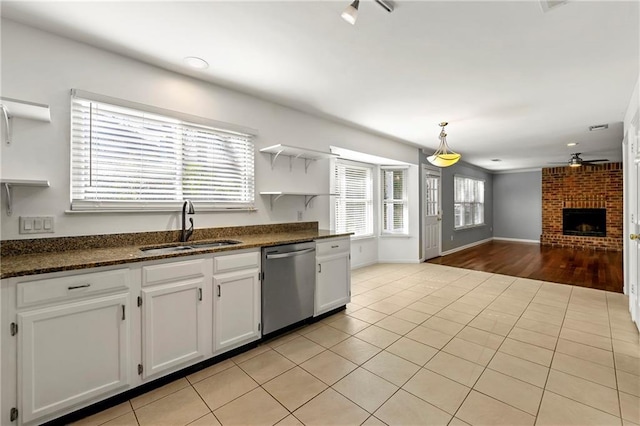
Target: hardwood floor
{"points": [[586, 268]]}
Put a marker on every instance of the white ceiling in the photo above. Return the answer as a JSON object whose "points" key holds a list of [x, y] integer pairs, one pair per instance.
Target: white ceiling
{"points": [[514, 83]]}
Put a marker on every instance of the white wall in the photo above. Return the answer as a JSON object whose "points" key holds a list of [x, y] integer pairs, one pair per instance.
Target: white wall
{"points": [[364, 252], [40, 67]]}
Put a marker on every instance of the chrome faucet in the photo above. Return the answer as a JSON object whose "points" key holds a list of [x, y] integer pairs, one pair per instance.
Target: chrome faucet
{"points": [[187, 208]]}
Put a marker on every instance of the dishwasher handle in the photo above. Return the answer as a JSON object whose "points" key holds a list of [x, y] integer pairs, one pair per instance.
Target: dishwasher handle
{"points": [[290, 253]]}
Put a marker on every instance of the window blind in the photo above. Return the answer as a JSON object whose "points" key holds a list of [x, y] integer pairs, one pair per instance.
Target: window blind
{"points": [[123, 158], [354, 202], [468, 201], [394, 201]]}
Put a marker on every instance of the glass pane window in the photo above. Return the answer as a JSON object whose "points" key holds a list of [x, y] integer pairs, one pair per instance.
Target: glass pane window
{"points": [[128, 159], [431, 195], [468, 202], [395, 217], [354, 201]]}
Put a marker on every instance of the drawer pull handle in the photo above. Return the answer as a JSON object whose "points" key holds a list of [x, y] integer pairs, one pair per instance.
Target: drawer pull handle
{"points": [[75, 287], [123, 314], [319, 268], [200, 294], [218, 291], [335, 246]]}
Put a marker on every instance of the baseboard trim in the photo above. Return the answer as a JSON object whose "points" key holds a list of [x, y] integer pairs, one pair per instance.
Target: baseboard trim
{"points": [[516, 240], [466, 246], [400, 261], [362, 265]]}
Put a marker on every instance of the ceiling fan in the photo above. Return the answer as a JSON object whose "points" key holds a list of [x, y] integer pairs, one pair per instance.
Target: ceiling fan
{"points": [[576, 161]]}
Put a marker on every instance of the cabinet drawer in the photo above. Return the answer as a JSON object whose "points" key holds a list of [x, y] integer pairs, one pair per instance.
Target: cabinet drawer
{"points": [[234, 262], [71, 287], [334, 246], [166, 272]]}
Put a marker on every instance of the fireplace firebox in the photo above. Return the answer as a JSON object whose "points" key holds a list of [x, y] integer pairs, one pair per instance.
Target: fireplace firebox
{"points": [[584, 222]]}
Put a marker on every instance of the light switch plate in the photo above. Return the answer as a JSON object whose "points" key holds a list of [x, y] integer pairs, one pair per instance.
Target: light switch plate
{"points": [[36, 225]]}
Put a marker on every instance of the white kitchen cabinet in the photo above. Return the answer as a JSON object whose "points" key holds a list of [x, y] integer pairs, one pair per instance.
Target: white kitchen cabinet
{"points": [[333, 274], [236, 297], [174, 322], [71, 353]]}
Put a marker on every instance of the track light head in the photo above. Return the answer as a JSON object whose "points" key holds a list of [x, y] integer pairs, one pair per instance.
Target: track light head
{"points": [[386, 5], [350, 14]]}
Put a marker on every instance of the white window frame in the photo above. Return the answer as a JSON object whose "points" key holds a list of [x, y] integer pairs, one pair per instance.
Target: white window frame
{"points": [[474, 203], [340, 201], [390, 203], [187, 143]]}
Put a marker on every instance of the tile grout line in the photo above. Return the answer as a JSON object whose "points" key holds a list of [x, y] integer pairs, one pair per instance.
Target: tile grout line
{"points": [[472, 388], [544, 389], [615, 370], [413, 375]]}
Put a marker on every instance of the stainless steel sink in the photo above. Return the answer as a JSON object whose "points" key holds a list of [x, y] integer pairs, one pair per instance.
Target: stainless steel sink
{"points": [[166, 250], [194, 246], [215, 244]]}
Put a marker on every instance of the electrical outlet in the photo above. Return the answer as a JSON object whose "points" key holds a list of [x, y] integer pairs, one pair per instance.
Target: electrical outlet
{"points": [[36, 225], [452, 238], [360, 249], [299, 215]]}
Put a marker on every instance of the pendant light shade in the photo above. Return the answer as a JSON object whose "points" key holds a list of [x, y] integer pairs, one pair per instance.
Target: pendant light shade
{"points": [[350, 14], [444, 156]]}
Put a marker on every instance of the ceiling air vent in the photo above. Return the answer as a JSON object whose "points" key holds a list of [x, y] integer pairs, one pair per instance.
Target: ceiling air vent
{"points": [[547, 5], [598, 127]]}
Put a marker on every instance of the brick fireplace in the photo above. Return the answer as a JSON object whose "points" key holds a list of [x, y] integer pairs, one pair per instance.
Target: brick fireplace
{"points": [[578, 189]]}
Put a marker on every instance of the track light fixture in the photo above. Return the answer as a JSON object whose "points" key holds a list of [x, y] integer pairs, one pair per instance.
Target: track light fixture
{"points": [[350, 14], [443, 157]]}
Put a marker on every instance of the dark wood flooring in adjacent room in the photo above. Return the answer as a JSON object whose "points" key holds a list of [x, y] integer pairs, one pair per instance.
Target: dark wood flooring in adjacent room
{"points": [[585, 268]]}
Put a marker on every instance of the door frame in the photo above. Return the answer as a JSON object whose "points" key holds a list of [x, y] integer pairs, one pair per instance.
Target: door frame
{"points": [[425, 169], [631, 211]]}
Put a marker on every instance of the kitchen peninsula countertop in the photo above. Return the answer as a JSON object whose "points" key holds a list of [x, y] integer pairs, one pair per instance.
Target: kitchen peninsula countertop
{"points": [[39, 256]]}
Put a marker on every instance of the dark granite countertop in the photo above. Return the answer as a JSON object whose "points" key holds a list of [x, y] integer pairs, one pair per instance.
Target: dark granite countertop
{"points": [[30, 257]]}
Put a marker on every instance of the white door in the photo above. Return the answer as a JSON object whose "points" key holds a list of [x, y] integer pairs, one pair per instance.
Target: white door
{"points": [[632, 164], [172, 325], [236, 309], [432, 219], [70, 354]]}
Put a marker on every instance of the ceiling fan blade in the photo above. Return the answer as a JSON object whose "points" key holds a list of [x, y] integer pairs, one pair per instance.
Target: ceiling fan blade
{"points": [[595, 161], [558, 162]]}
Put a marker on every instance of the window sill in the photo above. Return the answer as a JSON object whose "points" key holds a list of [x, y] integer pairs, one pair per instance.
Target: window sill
{"points": [[395, 236], [463, 228]]}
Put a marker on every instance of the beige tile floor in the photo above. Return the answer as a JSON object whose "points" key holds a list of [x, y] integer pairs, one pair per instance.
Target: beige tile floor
{"points": [[424, 344]]}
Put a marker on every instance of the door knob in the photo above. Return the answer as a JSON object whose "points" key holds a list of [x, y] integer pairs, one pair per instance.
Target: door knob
{"points": [[635, 236]]}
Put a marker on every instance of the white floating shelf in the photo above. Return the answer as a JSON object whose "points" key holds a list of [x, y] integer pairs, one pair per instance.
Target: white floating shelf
{"points": [[10, 183], [293, 152], [276, 195], [14, 108], [25, 182]]}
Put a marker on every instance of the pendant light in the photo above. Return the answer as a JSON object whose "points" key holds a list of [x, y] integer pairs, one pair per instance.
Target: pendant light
{"points": [[350, 14], [443, 157]]}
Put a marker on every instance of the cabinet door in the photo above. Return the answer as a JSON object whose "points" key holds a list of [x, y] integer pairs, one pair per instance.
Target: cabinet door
{"points": [[71, 353], [172, 325], [236, 309], [333, 282]]}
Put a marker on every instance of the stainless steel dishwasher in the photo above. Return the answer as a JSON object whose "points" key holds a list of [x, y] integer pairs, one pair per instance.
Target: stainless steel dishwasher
{"points": [[288, 285]]}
